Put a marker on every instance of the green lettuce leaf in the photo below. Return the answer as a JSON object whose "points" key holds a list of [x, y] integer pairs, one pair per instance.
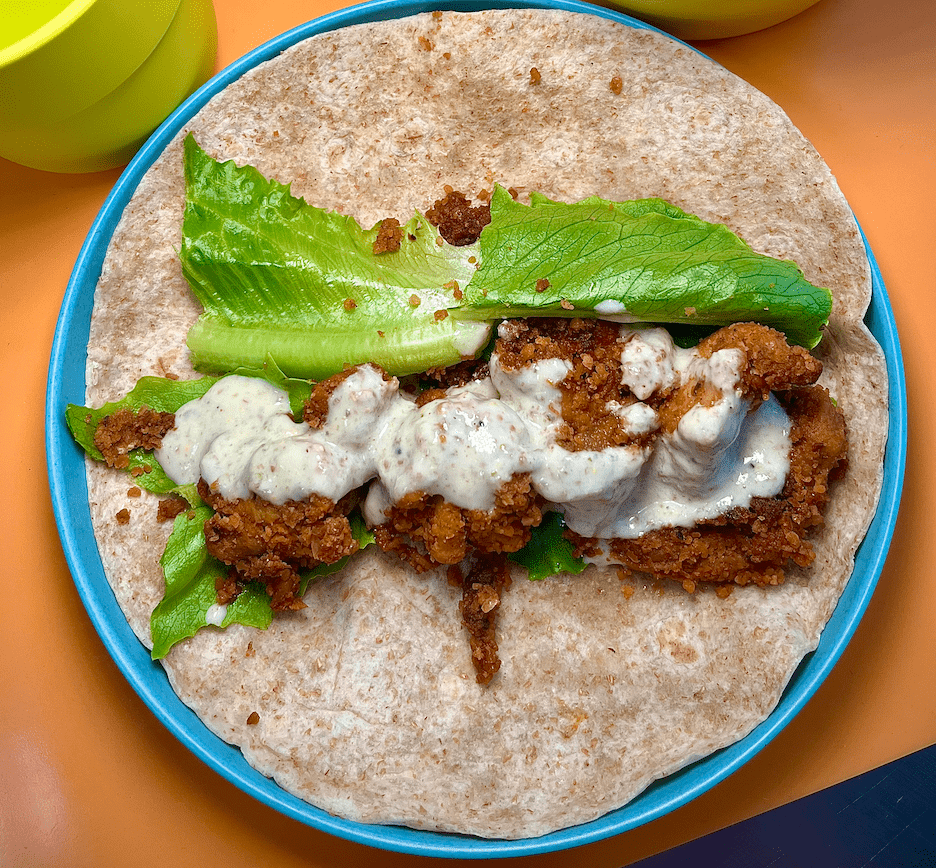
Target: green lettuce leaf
{"points": [[277, 277], [190, 573], [548, 552], [642, 261]]}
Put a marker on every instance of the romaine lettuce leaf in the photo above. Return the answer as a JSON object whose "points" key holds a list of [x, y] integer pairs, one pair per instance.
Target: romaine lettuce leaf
{"points": [[280, 278], [640, 261]]}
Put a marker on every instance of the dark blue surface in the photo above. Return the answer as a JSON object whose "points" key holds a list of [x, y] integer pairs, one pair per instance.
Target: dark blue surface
{"points": [[70, 502], [885, 818]]}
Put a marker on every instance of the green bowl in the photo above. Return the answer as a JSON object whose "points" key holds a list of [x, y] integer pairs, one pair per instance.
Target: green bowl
{"points": [[708, 19], [81, 108], [57, 57]]}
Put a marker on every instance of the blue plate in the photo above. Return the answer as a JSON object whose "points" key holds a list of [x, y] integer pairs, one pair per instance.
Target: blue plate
{"points": [[70, 502]]}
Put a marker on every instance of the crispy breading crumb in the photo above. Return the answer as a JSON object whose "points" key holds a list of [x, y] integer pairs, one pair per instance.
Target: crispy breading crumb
{"points": [[169, 508], [389, 236]]}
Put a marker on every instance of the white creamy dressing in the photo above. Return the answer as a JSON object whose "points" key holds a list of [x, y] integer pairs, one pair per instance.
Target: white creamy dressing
{"points": [[649, 360], [216, 614], [242, 440]]}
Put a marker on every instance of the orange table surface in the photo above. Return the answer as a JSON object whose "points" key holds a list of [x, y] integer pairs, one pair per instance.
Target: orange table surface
{"points": [[88, 777]]}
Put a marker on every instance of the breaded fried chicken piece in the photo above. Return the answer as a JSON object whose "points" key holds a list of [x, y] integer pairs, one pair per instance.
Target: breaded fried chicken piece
{"points": [[771, 364], [592, 393], [754, 544], [124, 430], [445, 534], [268, 543]]}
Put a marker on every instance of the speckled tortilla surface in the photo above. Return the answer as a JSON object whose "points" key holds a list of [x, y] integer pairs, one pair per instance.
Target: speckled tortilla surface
{"points": [[366, 699]]}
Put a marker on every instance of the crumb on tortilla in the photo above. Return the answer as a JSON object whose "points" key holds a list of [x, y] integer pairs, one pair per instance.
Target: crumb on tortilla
{"points": [[535, 77], [617, 85], [123, 517]]}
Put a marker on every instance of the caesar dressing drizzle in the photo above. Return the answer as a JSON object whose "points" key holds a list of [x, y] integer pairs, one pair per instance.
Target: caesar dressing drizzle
{"points": [[241, 438]]}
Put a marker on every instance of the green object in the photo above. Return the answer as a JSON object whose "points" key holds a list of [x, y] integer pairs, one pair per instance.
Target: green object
{"points": [[703, 19], [83, 91], [280, 278], [642, 261], [548, 552]]}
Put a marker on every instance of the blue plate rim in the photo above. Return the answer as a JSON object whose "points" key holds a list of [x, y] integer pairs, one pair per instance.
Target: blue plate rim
{"points": [[70, 505]]}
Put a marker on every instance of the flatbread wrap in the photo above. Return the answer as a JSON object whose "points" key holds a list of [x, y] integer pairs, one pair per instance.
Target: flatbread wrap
{"points": [[363, 703]]}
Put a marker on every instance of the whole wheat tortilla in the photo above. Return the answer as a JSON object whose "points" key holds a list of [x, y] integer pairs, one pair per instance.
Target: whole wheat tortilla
{"points": [[367, 701]]}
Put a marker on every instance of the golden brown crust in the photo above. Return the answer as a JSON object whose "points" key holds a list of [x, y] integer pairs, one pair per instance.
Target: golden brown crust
{"points": [[446, 534], [771, 364], [389, 236], [768, 364], [593, 386], [458, 221], [265, 542], [482, 593]]}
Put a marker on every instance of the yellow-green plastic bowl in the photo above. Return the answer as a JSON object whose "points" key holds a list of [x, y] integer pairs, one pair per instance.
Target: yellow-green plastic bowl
{"points": [[58, 57], [712, 19], [107, 131]]}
